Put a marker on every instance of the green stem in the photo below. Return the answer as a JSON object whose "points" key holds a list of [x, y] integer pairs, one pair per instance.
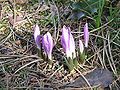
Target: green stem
{"points": [[71, 64], [76, 64]]}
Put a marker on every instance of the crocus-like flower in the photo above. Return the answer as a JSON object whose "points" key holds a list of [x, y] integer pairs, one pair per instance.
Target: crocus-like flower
{"points": [[81, 47], [68, 42], [86, 35], [47, 43], [37, 36]]}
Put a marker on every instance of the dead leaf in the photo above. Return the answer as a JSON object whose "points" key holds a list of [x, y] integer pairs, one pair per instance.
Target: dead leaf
{"points": [[2, 1], [118, 4], [44, 8], [0, 11], [19, 1], [17, 21]]}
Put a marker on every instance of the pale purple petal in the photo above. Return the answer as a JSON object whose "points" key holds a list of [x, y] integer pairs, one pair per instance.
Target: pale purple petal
{"points": [[86, 35], [37, 36], [67, 42], [72, 45], [38, 40], [81, 46], [65, 38], [47, 43]]}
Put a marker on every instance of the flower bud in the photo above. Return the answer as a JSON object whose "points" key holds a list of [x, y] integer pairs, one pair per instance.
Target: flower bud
{"points": [[86, 35], [47, 43], [68, 42]]}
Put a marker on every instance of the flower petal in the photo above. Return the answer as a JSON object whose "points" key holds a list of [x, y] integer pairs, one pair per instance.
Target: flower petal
{"points": [[37, 36], [65, 38], [72, 45], [86, 35], [81, 47], [67, 42], [47, 43]]}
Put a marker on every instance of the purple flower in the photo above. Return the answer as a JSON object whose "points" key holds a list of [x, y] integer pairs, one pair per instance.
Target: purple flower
{"points": [[37, 36], [86, 35], [81, 47], [47, 43], [68, 42]]}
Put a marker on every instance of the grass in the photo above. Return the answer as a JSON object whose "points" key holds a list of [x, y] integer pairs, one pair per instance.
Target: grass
{"points": [[20, 66]]}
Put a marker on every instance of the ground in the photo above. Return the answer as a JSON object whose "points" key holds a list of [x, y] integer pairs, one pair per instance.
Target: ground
{"points": [[20, 65]]}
